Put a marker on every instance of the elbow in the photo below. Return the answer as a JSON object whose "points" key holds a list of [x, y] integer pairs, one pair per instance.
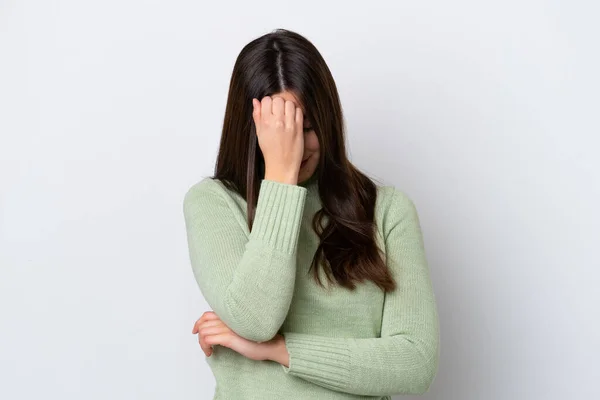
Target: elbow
{"points": [[415, 371], [259, 330], [251, 325], [427, 377], [428, 372], [417, 376], [265, 333], [255, 335]]}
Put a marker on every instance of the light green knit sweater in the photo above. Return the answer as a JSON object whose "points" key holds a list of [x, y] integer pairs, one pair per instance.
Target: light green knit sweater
{"points": [[343, 344]]}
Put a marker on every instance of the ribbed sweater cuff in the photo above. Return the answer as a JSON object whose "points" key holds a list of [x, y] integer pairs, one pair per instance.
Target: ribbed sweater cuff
{"points": [[278, 214], [323, 359]]}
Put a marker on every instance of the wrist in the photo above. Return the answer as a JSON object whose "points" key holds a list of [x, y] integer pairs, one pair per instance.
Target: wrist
{"points": [[290, 180], [279, 352]]}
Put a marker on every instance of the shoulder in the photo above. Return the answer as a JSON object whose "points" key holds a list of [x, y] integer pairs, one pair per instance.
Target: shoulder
{"points": [[394, 206], [209, 202], [206, 187], [392, 199], [207, 192]]}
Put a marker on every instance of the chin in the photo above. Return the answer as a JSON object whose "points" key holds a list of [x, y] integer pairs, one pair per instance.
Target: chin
{"points": [[304, 176]]}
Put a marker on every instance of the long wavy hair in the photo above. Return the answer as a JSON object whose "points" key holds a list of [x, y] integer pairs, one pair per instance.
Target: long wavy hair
{"points": [[286, 61]]}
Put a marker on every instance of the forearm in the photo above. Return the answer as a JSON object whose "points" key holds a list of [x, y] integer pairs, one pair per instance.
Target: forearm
{"points": [[258, 299], [369, 367], [246, 277]]}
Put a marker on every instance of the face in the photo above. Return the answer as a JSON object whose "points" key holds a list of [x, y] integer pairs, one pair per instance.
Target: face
{"points": [[311, 142]]}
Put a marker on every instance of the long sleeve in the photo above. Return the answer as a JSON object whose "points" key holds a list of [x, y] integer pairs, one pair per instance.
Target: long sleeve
{"points": [[246, 277], [404, 360]]}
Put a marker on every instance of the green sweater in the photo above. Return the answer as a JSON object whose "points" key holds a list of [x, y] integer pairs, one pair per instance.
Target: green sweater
{"points": [[343, 344]]}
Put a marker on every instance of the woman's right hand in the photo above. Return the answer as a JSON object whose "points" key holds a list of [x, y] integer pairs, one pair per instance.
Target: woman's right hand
{"points": [[279, 127]]}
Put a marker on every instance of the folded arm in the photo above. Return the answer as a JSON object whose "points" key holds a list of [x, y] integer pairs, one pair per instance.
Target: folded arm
{"points": [[404, 359], [246, 277]]}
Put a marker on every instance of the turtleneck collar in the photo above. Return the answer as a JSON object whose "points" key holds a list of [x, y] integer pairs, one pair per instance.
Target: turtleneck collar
{"points": [[312, 186]]}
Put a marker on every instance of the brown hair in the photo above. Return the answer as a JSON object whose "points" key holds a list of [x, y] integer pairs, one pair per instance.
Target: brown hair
{"points": [[286, 61]]}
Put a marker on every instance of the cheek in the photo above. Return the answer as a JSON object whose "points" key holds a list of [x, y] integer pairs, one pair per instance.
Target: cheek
{"points": [[311, 142]]}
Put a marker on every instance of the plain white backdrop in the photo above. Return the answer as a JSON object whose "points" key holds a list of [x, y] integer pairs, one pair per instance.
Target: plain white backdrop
{"points": [[485, 113]]}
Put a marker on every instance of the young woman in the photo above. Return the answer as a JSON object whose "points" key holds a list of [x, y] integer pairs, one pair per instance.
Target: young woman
{"points": [[316, 276]]}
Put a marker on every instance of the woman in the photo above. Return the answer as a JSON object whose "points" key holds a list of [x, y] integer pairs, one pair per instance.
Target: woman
{"points": [[285, 211]]}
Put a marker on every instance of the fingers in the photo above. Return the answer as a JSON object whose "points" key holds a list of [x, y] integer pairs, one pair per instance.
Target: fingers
{"points": [[265, 105], [256, 110], [280, 112], [208, 315], [222, 338], [278, 108], [212, 327], [206, 348], [205, 329], [209, 323], [290, 113], [299, 120]]}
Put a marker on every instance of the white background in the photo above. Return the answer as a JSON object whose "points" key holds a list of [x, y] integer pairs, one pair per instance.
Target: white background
{"points": [[485, 113]]}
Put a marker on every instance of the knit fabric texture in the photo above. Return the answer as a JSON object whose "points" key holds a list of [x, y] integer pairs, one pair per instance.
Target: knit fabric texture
{"points": [[342, 344]]}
